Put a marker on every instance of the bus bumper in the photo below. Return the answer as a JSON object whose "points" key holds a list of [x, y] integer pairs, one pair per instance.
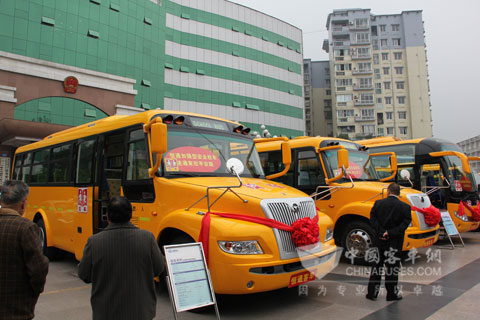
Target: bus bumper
{"points": [[420, 239], [245, 278]]}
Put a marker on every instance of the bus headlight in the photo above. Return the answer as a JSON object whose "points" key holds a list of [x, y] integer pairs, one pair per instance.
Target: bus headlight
{"points": [[241, 247], [463, 218], [328, 234]]}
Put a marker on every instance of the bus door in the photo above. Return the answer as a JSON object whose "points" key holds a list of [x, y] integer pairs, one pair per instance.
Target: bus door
{"points": [[431, 182], [108, 177]]}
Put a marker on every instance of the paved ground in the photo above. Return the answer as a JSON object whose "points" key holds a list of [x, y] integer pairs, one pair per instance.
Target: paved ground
{"points": [[440, 284]]}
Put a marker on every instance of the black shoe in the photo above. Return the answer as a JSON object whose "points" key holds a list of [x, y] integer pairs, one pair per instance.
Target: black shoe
{"points": [[369, 297], [394, 298]]}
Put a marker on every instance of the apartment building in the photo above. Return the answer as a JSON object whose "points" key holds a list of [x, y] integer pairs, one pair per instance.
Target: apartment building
{"points": [[471, 147], [378, 72]]}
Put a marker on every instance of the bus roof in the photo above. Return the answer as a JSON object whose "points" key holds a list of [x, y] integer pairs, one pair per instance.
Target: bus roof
{"points": [[107, 124], [300, 142], [387, 141]]}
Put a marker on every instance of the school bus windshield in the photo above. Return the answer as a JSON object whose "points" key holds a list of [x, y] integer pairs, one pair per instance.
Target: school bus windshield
{"points": [[359, 168], [458, 178], [205, 153]]}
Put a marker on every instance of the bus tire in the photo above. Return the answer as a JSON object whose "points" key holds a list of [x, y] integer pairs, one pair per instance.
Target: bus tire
{"points": [[49, 252], [356, 240]]}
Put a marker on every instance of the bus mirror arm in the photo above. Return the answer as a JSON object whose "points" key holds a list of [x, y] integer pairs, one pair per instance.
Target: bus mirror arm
{"points": [[463, 158], [157, 142], [325, 193]]}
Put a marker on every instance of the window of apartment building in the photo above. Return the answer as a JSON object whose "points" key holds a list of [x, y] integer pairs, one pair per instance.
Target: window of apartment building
{"points": [[378, 88], [362, 37], [327, 103], [368, 113], [343, 82], [363, 52], [344, 97], [307, 89], [340, 52], [403, 130], [387, 85], [389, 115], [386, 70], [375, 59], [380, 132], [346, 129], [375, 43], [374, 31], [377, 74], [361, 23], [388, 100], [383, 27], [400, 85], [345, 113], [395, 27], [399, 70], [384, 43], [368, 129], [402, 115], [364, 67], [343, 67], [328, 115], [389, 130], [384, 56], [397, 55], [328, 92], [366, 98], [396, 42], [306, 76], [365, 83], [401, 100], [327, 82]]}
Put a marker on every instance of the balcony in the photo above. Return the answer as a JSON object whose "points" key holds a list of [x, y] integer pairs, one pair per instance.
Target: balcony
{"points": [[362, 57], [363, 87], [361, 71], [360, 103], [360, 42], [340, 30], [355, 26], [364, 118]]}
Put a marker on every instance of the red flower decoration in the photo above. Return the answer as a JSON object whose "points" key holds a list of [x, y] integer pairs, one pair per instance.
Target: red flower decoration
{"points": [[305, 232], [431, 215], [475, 211]]}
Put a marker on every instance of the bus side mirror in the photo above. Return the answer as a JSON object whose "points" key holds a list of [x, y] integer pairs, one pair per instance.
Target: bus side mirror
{"points": [[286, 154], [158, 144], [158, 138], [342, 157], [286, 159]]}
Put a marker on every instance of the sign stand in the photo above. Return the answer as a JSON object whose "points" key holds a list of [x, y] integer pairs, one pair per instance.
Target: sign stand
{"points": [[450, 230], [188, 281]]}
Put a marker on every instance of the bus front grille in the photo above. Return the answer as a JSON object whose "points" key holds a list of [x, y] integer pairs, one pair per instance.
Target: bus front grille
{"points": [[287, 211]]}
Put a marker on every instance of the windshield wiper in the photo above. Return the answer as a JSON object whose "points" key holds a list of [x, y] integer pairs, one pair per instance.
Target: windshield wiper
{"points": [[184, 174]]}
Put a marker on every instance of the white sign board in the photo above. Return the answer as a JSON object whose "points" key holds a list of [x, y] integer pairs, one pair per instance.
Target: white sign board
{"points": [[189, 277], [448, 223]]}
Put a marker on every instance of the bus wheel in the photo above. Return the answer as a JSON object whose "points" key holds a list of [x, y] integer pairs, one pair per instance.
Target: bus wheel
{"points": [[49, 252], [356, 241]]}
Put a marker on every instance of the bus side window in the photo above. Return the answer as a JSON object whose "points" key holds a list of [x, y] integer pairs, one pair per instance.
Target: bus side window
{"points": [[272, 163], [84, 167]]}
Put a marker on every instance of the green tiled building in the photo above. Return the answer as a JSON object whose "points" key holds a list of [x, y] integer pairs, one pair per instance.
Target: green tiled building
{"points": [[207, 56]]}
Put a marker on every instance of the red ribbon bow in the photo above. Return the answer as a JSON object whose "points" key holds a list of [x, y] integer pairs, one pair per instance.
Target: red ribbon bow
{"points": [[431, 214], [304, 231], [475, 211]]}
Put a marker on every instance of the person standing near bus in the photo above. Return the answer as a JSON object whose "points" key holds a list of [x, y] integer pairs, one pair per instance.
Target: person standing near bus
{"points": [[121, 263], [389, 218], [23, 267]]}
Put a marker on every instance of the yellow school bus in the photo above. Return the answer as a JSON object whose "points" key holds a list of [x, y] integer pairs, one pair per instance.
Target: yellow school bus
{"points": [[345, 182], [440, 169], [72, 175]]}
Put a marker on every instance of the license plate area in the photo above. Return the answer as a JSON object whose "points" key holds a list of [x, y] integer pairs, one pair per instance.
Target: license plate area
{"points": [[301, 278]]}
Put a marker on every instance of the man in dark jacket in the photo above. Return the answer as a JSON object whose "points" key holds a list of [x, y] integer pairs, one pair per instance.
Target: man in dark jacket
{"points": [[389, 218], [121, 263], [23, 267]]}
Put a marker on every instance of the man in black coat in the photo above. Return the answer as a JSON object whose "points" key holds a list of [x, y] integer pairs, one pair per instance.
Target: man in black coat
{"points": [[389, 218], [121, 263]]}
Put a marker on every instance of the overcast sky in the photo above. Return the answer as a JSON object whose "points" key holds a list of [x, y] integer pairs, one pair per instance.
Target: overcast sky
{"points": [[453, 50]]}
